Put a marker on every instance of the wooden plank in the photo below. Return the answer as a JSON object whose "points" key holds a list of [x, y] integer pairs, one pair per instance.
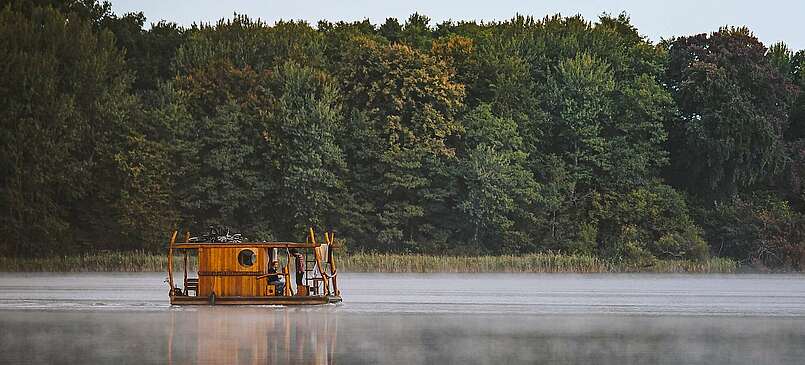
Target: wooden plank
{"points": [[220, 271]]}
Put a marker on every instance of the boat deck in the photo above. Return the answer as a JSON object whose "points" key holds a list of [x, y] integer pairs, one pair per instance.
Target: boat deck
{"points": [[267, 300]]}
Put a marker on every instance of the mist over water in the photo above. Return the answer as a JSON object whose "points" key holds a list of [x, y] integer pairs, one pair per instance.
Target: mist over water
{"points": [[410, 319]]}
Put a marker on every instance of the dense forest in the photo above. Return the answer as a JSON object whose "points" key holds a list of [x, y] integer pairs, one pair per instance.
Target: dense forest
{"points": [[527, 135]]}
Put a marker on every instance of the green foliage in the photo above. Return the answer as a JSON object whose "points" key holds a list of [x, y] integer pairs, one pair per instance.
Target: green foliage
{"points": [[761, 229], [222, 181], [246, 42], [580, 107], [391, 30], [307, 163], [796, 85], [92, 12], [417, 32], [496, 188], [610, 137], [780, 58], [517, 136], [646, 223], [78, 170], [404, 108], [732, 106], [152, 54]]}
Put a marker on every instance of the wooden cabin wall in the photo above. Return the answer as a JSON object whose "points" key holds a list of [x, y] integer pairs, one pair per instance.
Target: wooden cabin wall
{"points": [[226, 259], [220, 271]]}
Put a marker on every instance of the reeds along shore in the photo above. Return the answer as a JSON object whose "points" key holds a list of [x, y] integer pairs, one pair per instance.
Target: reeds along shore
{"points": [[389, 263]]}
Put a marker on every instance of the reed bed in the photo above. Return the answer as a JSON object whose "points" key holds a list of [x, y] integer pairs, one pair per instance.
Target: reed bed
{"points": [[530, 263], [93, 262], [389, 263]]}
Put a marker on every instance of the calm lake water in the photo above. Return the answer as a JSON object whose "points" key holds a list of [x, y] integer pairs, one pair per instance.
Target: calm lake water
{"points": [[415, 319]]}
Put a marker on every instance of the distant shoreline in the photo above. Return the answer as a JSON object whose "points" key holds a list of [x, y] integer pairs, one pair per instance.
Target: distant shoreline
{"points": [[388, 263]]}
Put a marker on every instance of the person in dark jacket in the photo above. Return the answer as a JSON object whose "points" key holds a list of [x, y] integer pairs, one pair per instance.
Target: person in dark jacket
{"points": [[275, 279]]}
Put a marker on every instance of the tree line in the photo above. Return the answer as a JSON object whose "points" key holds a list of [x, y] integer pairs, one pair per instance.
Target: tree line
{"points": [[525, 135]]}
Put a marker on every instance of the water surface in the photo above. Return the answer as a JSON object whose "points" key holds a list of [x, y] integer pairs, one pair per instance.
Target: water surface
{"points": [[415, 318]]}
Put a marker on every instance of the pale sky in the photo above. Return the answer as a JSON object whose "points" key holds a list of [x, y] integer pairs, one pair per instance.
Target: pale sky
{"points": [[770, 20]]}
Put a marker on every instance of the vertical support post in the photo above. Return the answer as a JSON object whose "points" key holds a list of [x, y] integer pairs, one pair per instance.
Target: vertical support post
{"points": [[185, 272], [170, 261], [330, 238], [333, 269], [286, 272]]}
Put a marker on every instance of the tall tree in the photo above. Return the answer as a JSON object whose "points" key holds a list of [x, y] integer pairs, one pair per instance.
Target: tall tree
{"points": [[580, 104], [225, 179], [303, 121], [153, 54], [391, 30], [732, 104], [404, 108], [497, 189], [417, 32]]}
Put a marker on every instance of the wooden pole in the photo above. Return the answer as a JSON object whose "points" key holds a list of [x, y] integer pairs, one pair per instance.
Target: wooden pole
{"points": [[170, 261], [185, 272], [286, 272], [331, 260]]}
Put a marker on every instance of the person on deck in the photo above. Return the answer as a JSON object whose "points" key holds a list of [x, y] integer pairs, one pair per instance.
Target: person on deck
{"points": [[277, 280], [300, 266]]}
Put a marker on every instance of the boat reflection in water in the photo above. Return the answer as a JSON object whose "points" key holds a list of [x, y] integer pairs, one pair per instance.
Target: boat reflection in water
{"points": [[245, 335]]}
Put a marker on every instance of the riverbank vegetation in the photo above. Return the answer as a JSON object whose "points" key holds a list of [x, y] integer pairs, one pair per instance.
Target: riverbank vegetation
{"points": [[519, 137], [387, 263]]}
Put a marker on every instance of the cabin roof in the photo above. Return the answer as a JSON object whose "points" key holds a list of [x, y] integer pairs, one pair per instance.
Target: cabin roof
{"points": [[195, 245]]}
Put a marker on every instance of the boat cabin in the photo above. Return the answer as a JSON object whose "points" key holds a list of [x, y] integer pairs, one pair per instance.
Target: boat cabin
{"points": [[282, 273]]}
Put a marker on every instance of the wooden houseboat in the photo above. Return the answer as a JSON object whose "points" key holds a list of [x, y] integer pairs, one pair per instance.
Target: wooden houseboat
{"points": [[266, 273]]}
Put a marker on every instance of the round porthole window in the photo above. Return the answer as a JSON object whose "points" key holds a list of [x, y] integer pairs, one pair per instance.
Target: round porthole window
{"points": [[247, 257]]}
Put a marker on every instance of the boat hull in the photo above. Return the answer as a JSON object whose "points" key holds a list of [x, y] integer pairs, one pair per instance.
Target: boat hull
{"points": [[275, 300]]}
